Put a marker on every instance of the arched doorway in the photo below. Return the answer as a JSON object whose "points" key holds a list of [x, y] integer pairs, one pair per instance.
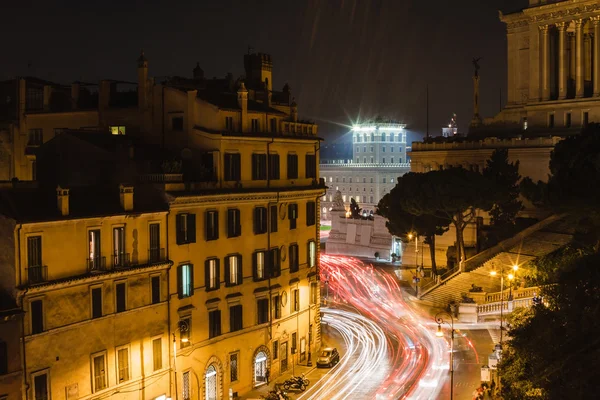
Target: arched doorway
{"points": [[210, 378], [260, 368]]}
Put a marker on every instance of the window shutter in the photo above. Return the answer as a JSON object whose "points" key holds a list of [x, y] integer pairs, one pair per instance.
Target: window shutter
{"points": [[191, 279], [218, 321], [206, 216], [218, 273], [230, 225], [238, 226], [216, 221], [254, 266], [180, 281], [240, 270], [191, 226], [178, 229], [227, 274], [256, 226], [207, 274]]}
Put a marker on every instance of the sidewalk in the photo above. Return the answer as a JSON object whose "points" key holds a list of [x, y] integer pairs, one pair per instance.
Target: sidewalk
{"points": [[329, 338]]}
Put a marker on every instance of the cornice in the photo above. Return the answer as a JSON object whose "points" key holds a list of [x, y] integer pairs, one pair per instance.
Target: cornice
{"points": [[245, 197], [554, 11]]}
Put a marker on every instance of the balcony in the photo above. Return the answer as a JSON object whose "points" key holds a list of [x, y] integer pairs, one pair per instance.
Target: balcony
{"points": [[156, 256], [121, 260], [96, 264], [37, 274]]}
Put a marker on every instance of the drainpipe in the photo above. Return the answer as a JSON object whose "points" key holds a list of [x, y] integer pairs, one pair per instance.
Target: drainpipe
{"points": [[25, 384], [269, 216], [169, 305]]}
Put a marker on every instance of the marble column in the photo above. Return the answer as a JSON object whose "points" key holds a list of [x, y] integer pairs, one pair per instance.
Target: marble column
{"points": [[545, 62], [596, 50], [571, 36], [579, 58], [562, 60]]}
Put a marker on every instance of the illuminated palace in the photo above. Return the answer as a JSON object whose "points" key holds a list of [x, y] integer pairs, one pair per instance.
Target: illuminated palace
{"points": [[187, 268], [379, 157]]}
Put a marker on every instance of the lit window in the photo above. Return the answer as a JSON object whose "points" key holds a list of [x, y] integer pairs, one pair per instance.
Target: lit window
{"points": [[117, 130]]}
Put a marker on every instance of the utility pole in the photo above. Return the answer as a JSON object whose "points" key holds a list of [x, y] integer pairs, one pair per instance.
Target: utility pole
{"points": [[427, 110]]}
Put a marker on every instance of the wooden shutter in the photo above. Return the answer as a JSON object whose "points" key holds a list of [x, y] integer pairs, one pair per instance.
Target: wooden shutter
{"points": [[191, 227], [180, 281], [226, 272], [179, 229], [215, 216], [217, 272], [191, 267], [240, 270], [207, 275], [255, 266]]}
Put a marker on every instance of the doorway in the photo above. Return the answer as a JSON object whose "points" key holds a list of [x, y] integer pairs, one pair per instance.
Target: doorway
{"points": [[284, 356], [260, 368]]}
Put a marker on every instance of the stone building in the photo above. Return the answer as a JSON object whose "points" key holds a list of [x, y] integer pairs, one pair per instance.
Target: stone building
{"points": [[236, 175], [379, 157]]}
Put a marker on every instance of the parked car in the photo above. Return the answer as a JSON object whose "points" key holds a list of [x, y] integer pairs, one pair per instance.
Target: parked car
{"points": [[328, 357]]}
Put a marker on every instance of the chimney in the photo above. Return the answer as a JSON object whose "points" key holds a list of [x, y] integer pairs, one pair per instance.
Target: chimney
{"points": [[62, 200], [142, 82], [243, 103], [126, 197]]}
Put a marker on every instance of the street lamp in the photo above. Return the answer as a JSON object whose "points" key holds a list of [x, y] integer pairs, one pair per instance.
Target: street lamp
{"points": [[439, 320], [510, 278], [181, 327]]}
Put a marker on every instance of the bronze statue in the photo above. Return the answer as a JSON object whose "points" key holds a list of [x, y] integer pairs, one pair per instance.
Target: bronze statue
{"points": [[476, 65]]}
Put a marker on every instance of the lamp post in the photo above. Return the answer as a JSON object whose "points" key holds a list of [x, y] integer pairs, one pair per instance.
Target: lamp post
{"points": [[439, 320], [181, 327], [510, 278]]}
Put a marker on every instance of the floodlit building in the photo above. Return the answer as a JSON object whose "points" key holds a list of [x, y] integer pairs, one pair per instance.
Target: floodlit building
{"points": [[209, 251], [379, 157]]}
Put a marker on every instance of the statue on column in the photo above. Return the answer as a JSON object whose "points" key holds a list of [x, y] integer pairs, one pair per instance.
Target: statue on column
{"points": [[476, 121], [338, 202]]}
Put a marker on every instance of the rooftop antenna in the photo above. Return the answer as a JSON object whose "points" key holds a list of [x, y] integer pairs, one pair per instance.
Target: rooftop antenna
{"points": [[427, 108]]}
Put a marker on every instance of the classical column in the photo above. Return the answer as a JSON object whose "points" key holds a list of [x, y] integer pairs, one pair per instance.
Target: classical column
{"points": [[579, 58], [596, 50], [545, 62], [571, 36], [562, 60]]}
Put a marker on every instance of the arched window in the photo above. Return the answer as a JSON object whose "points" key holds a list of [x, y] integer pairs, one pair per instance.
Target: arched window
{"points": [[211, 383], [260, 368], [383, 136], [391, 137], [372, 137]]}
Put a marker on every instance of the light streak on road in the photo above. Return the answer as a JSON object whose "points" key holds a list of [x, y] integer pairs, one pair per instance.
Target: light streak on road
{"points": [[417, 362]]}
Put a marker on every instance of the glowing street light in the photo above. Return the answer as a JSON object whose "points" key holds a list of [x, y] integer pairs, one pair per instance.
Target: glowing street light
{"points": [[439, 333]]}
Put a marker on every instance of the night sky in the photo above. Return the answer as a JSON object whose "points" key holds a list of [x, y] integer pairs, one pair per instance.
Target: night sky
{"points": [[343, 59]]}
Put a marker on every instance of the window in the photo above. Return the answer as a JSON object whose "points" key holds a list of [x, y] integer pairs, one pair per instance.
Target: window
{"points": [[276, 307], [229, 124], [185, 225], [258, 265], [311, 166], [234, 227], [184, 334], [212, 225], [260, 220], [293, 256], [364, 160], [292, 166], [273, 166], [233, 367], [121, 298], [294, 342], [233, 167], [357, 150], [214, 323], [274, 263], [293, 215], [383, 160], [34, 100], [313, 292], [295, 303], [370, 199], [211, 271], [185, 280], [40, 386], [383, 137], [119, 257], [312, 253], [117, 130], [550, 120], [233, 270], [37, 316], [273, 125], [392, 160], [273, 218], [384, 180], [3, 358], [35, 137], [357, 160], [155, 250], [311, 213], [35, 271], [568, 120], [372, 137], [255, 125], [383, 149], [95, 257], [585, 119], [371, 149], [185, 391], [157, 353], [155, 289], [177, 123], [262, 308], [391, 149], [275, 349], [123, 364], [99, 369], [391, 137], [371, 160], [525, 123], [235, 318], [259, 167], [96, 302]]}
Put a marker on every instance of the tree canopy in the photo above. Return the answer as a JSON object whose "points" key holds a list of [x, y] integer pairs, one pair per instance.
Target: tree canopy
{"points": [[505, 177]]}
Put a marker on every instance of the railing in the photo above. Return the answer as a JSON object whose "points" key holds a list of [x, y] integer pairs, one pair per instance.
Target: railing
{"points": [[121, 260], [161, 178], [439, 280], [37, 274], [364, 165], [156, 256], [507, 306], [490, 142], [96, 264]]}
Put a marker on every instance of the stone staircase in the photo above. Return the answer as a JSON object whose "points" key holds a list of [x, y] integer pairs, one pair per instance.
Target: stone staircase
{"points": [[536, 241]]}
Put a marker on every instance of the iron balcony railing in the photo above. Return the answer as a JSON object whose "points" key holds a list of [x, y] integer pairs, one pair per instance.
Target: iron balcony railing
{"points": [[121, 260], [37, 274], [156, 256], [96, 264]]}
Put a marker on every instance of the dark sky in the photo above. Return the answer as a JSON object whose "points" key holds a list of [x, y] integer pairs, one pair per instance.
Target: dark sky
{"points": [[342, 58]]}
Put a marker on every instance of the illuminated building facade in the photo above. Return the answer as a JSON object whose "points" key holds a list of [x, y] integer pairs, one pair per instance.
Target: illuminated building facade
{"points": [[379, 157]]}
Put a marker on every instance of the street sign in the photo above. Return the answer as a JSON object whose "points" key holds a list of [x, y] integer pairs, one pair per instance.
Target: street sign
{"points": [[485, 374]]}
